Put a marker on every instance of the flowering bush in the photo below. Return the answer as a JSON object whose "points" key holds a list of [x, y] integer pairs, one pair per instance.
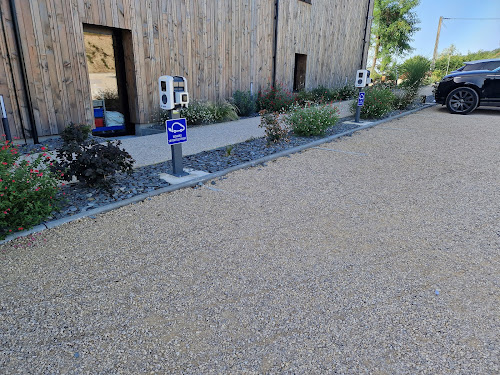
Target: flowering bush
{"points": [[200, 112], [379, 101], [275, 99], [313, 120], [346, 92], [27, 190], [324, 95], [275, 130]]}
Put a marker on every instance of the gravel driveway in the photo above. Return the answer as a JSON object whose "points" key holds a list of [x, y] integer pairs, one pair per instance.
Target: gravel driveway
{"points": [[375, 254]]}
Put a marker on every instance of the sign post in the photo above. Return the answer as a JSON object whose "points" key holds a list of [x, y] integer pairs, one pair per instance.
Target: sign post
{"points": [[361, 102], [174, 97], [362, 79], [177, 135]]}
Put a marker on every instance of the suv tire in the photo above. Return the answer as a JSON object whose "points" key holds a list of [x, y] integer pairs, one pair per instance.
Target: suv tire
{"points": [[462, 100]]}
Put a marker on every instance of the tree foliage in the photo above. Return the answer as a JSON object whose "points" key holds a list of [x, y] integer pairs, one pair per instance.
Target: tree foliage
{"points": [[456, 60], [394, 23]]}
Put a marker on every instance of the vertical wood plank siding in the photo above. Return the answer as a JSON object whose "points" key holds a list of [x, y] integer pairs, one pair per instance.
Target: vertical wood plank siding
{"points": [[219, 45]]}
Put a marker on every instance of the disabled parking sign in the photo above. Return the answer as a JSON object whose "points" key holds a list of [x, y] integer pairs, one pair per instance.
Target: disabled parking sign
{"points": [[176, 131], [361, 99]]}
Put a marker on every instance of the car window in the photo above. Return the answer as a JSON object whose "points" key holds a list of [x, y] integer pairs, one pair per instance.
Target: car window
{"points": [[492, 65], [469, 67]]}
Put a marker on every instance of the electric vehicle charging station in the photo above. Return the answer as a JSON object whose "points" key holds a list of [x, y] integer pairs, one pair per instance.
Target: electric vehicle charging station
{"points": [[174, 96], [362, 80]]}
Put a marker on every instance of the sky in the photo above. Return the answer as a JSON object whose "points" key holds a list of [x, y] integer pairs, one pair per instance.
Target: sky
{"points": [[466, 35]]}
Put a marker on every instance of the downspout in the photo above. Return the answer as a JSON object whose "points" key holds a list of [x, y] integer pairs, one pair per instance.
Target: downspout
{"points": [[275, 47], [361, 65], [13, 80], [26, 86]]}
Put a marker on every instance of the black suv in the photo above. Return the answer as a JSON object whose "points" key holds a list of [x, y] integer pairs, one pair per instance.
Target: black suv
{"points": [[476, 83]]}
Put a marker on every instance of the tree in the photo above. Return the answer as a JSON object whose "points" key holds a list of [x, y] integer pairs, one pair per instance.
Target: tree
{"points": [[394, 23]]}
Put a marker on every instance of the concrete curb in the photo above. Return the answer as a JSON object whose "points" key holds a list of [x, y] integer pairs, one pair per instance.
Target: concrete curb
{"points": [[194, 182]]}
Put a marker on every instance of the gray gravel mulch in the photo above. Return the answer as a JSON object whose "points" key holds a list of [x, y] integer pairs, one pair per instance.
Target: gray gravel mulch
{"points": [[77, 197]]}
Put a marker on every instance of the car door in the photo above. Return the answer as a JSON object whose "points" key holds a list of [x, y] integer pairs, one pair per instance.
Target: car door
{"points": [[491, 87]]}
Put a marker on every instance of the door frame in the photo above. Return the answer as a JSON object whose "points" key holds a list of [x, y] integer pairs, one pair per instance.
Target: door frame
{"points": [[122, 45]]}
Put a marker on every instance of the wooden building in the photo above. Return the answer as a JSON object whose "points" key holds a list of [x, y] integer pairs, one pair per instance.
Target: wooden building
{"points": [[220, 46]]}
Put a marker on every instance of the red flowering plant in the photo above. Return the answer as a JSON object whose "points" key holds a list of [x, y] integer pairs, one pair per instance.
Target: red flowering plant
{"points": [[27, 189], [276, 129], [275, 99]]}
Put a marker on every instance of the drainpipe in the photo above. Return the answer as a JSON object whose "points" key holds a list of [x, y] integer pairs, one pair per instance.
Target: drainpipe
{"points": [[361, 65], [275, 47], [24, 80], [2, 104]]}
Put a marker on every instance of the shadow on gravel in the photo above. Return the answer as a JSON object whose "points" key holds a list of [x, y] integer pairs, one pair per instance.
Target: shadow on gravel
{"points": [[481, 111]]}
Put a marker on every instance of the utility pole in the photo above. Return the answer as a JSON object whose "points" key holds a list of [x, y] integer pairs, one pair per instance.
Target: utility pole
{"points": [[434, 57]]}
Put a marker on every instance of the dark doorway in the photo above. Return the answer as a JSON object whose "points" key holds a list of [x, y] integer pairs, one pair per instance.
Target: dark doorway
{"points": [[106, 64], [299, 80]]}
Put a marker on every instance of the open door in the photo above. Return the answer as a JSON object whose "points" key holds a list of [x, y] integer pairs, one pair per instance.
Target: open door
{"points": [[108, 81], [299, 81]]}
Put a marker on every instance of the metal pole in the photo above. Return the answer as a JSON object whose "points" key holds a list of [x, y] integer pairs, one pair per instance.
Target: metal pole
{"points": [[358, 107], [275, 43], [177, 168], [434, 56], [5, 120]]}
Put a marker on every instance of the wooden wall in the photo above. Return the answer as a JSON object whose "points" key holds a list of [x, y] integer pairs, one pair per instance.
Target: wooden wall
{"points": [[330, 33], [219, 45]]}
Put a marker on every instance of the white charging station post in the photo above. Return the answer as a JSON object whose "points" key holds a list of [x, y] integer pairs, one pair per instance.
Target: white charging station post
{"points": [[173, 97], [5, 120], [362, 79]]}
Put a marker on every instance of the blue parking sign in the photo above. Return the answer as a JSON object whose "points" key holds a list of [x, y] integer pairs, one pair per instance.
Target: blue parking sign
{"points": [[176, 131], [361, 99]]}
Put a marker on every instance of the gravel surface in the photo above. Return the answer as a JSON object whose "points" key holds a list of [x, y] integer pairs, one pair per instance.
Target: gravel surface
{"points": [[79, 198], [374, 254]]}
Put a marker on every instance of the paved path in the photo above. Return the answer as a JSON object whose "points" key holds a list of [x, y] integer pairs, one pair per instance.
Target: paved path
{"points": [[154, 149], [375, 254]]}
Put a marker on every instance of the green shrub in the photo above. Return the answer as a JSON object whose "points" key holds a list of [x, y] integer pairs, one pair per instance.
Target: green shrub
{"points": [[76, 133], [414, 70], [201, 113], [322, 94], [198, 113], [379, 101], [313, 120], [223, 111], [275, 99], [27, 190], [90, 162], [275, 130], [346, 92], [405, 97], [160, 116], [244, 102], [304, 97]]}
